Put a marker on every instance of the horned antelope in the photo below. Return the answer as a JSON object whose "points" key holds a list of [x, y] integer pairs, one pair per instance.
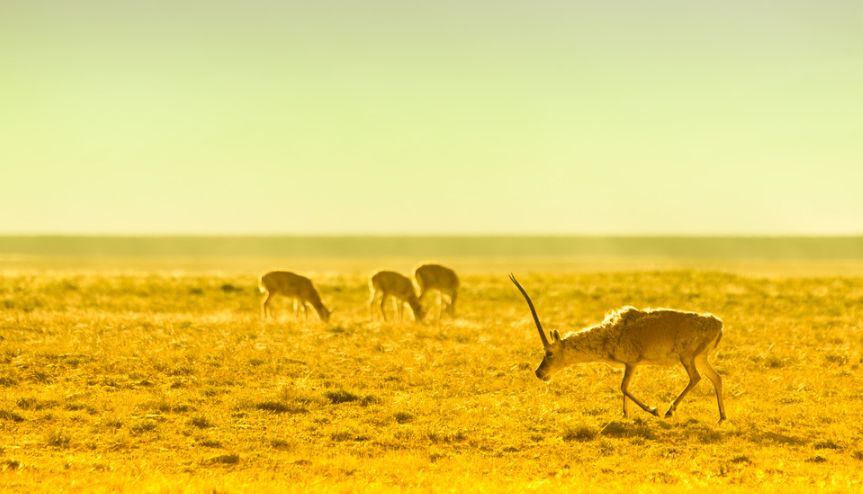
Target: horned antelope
{"points": [[630, 336], [434, 277], [296, 287], [389, 284]]}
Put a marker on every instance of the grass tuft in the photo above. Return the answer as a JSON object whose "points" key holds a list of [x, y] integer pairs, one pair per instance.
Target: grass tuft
{"points": [[7, 415], [229, 288], [404, 417], [35, 404], [58, 439], [8, 381], [280, 444], [147, 425], [229, 459], [200, 422], [280, 407], [784, 439], [621, 429], [341, 396], [348, 436], [581, 433], [828, 444]]}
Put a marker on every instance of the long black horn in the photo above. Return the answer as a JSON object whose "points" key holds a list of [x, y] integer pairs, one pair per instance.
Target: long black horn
{"points": [[532, 311]]}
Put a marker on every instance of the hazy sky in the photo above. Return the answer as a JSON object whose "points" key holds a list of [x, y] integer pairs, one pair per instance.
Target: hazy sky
{"points": [[547, 116]]}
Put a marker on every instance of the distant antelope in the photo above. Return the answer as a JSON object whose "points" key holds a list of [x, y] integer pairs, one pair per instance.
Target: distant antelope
{"points": [[630, 337], [296, 287], [389, 284], [430, 277]]}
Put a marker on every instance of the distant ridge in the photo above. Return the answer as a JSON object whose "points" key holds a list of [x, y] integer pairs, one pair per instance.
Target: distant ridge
{"points": [[789, 248]]}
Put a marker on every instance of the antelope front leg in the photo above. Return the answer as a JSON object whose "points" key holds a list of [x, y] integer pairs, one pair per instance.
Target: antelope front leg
{"points": [[624, 387], [694, 377], [383, 303], [371, 306]]}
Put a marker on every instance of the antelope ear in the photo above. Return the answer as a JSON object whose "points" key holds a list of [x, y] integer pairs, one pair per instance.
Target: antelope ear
{"points": [[555, 335]]}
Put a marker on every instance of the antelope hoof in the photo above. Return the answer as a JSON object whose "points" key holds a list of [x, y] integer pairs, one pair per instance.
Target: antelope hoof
{"points": [[653, 411], [669, 413]]}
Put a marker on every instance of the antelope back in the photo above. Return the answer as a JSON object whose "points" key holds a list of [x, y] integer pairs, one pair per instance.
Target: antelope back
{"points": [[289, 284], [436, 276], [393, 284]]}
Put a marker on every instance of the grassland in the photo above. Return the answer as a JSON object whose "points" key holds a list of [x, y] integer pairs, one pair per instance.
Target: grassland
{"points": [[144, 380]]}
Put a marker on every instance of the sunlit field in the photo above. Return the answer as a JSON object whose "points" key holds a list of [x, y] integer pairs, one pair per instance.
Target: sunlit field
{"points": [[151, 380], [157, 158]]}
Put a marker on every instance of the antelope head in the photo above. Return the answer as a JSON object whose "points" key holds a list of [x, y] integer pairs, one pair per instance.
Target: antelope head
{"points": [[419, 312]]}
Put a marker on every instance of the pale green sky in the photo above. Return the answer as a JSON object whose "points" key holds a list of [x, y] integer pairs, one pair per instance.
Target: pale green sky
{"points": [[546, 116]]}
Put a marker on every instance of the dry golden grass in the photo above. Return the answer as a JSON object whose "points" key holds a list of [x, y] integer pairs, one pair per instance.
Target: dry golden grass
{"points": [[171, 383]]}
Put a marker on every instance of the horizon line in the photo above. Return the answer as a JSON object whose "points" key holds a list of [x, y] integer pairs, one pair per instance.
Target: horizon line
{"points": [[420, 235]]}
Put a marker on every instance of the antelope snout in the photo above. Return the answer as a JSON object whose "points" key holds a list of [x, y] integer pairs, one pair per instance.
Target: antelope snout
{"points": [[541, 375]]}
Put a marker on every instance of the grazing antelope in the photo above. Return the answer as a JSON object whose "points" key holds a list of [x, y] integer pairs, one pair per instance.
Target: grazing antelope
{"points": [[430, 277], [386, 284], [630, 336], [291, 285]]}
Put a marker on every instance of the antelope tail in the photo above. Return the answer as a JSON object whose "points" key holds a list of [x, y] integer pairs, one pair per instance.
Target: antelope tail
{"points": [[718, 338]]}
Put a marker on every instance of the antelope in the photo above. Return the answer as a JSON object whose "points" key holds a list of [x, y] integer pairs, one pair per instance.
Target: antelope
{"points": [[386, 284], [436, 277], [291, 285], [630, 336]]}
